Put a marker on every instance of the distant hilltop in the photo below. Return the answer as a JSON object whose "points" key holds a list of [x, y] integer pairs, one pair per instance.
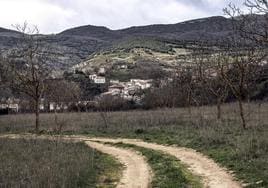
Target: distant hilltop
{"points": [[75, 45]]}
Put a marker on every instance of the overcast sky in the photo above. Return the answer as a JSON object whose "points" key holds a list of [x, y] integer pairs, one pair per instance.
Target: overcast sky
{"points": [[53, 16]]}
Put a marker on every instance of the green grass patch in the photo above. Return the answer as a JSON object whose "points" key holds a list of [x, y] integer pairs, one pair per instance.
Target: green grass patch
{"points": [[245, 152], [168, 171]]}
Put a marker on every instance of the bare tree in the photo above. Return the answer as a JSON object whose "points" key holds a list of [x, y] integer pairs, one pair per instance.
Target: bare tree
{"points": [[3, 81], [215, 84], [206, 82], [26, 67], [238, 70], [61, 93], [186, 81], [251, 25], [1, 72]]}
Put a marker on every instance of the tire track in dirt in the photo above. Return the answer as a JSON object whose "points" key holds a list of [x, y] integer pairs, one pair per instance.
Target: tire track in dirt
{"points": [[136, 173], [212, 174]]}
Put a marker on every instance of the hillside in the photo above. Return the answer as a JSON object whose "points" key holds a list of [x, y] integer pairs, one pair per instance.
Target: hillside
{"points": [[140, 58], [211, 28], [74, 45]]}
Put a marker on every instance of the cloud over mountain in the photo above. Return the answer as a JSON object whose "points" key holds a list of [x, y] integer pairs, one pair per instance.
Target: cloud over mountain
{"points": [[53, 16]]}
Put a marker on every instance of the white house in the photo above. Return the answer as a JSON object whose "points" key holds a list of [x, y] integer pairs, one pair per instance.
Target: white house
{"points": [[127, 90], [92, 76], [10, 103], [97, 79], [143, 84], [114, 81], [100, 80], [102, 70], [53, 106]]}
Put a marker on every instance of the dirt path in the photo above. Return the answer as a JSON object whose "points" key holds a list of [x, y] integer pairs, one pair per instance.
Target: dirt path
{"points": [[136, 174], [212, 174]]}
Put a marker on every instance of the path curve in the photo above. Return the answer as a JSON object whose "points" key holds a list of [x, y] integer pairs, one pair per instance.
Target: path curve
{"points": [[136, 173], [212, 174]]}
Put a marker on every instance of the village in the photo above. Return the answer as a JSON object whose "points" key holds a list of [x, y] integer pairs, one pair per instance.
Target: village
{"points": [[129, 91]]}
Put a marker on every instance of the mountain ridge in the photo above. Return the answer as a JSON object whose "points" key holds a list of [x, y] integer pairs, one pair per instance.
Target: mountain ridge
{"points": [[74, 45]]}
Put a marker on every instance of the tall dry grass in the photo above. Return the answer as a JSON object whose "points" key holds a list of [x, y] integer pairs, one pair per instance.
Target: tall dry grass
{"points": [[40, 163], [133, 120]]}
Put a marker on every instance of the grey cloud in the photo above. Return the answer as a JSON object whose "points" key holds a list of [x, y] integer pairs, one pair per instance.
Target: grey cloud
{"points": [[114, 14]]}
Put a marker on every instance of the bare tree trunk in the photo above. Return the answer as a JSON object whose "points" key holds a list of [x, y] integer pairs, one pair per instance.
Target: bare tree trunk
{"points": [[242, 115], [259, 113], [219, 109], [189, 106], [56, 119], [103, 115], [37, 112]]}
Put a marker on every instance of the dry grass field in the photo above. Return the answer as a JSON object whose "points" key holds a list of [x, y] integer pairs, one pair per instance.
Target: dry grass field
{"points": [[41, 163], [243, 151], [128, 121]]}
